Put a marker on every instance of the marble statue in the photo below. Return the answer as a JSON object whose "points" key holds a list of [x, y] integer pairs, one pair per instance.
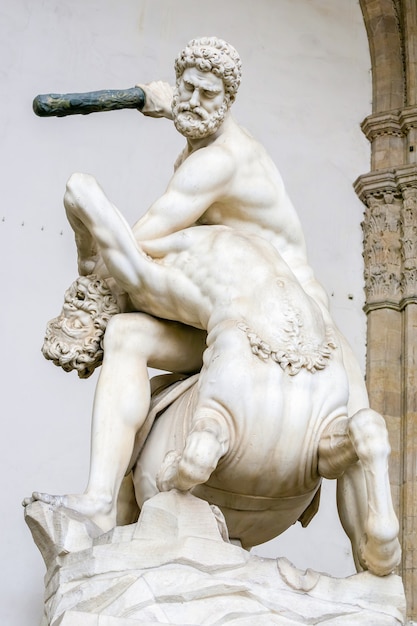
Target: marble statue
{"points": [[213, 284]]}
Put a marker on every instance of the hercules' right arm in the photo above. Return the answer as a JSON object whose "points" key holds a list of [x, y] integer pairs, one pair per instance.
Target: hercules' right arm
{"points": [[203, 179], [158, 99]]}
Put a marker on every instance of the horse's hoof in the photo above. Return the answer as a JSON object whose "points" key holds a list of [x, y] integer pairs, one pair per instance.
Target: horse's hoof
{"points": [[380, 557]]}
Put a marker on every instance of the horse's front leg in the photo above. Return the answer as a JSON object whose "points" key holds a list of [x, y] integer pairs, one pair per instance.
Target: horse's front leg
{"points": [[205, 444], [360, 444]]}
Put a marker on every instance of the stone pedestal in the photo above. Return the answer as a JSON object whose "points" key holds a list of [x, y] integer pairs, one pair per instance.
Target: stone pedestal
{"points": [[174, 567]]}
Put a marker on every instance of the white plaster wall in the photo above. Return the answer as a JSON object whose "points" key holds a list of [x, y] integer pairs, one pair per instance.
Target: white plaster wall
{"points": [[306, 88]]}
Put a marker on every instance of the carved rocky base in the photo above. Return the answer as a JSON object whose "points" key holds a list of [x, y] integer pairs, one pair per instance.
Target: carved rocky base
{"points": [[174, 567]]}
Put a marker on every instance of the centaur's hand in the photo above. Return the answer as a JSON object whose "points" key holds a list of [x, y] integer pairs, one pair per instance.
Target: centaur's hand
{"points": [[158, 99]]}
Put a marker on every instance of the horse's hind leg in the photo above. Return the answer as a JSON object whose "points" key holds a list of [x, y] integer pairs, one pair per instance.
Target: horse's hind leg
{"points": [[356, 451], [207, 441]]}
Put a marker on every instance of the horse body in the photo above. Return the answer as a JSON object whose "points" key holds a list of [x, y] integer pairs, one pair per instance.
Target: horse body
{"points": [[267, 418], [268, 476]]}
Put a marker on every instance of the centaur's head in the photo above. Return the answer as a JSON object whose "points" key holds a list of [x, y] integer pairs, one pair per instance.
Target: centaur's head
{"points": [[73, 340]]}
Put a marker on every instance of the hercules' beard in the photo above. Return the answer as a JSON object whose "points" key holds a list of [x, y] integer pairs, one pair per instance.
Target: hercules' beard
{"points": [[197, 128]]}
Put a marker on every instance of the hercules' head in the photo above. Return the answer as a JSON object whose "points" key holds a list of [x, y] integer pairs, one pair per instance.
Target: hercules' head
{"points": [[208, 73]]}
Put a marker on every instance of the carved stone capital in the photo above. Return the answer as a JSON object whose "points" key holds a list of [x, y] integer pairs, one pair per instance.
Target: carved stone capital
{"points": [[382, 248], [390, 236], [408, 119], [406, 177], [395, 123], [409, 241], [378, 124]]}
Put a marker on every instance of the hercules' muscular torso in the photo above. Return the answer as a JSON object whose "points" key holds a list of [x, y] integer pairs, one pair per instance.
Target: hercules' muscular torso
{"points": [[254, 199]]}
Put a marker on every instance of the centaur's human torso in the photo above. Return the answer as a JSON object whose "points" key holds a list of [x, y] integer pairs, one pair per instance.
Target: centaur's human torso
{"points": [[272, 371]]}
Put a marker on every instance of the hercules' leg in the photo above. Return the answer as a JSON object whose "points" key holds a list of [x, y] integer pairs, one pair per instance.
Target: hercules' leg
{"points": [[358, 448]]}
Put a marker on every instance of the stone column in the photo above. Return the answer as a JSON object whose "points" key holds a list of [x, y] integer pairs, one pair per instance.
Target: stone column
{"points": [[390, 254], [389, 192], [409, 417]]}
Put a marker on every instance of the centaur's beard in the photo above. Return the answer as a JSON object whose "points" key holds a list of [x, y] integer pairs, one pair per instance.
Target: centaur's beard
{"points": [[195, 122]]}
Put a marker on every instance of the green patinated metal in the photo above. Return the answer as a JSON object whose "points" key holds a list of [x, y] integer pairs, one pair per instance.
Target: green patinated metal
{"points": [[60, 105]]}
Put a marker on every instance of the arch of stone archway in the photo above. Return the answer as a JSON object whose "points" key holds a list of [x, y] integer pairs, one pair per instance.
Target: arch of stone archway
{"points": [[383, 19]]}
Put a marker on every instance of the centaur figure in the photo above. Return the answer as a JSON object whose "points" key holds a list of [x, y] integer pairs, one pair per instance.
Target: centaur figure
{"points": [[268, 417]]}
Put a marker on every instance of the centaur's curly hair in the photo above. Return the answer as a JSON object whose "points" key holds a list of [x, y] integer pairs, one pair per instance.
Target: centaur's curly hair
{"points": [[71, 349], [210, 54]]}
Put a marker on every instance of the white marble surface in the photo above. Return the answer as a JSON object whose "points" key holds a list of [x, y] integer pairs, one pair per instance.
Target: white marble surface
{"points": [[173, 567]]}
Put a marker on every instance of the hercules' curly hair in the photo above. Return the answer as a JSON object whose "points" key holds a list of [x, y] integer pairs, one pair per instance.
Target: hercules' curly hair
{"points": [[210, 54], [70, 348]]}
